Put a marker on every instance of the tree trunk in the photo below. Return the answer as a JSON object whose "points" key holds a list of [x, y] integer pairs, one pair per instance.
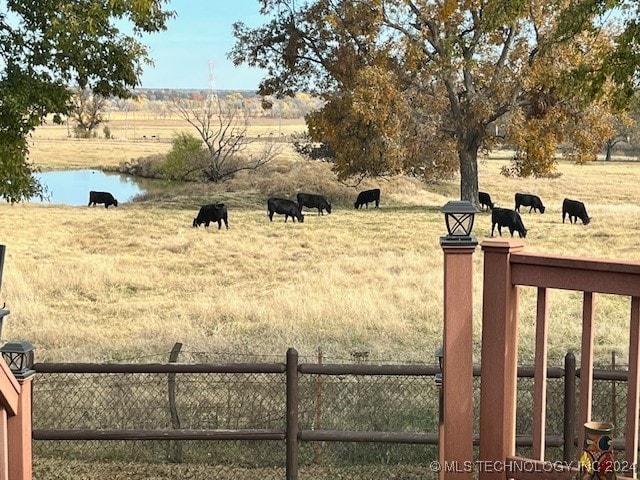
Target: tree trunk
{"points": [[468, 156], [608, 151]]}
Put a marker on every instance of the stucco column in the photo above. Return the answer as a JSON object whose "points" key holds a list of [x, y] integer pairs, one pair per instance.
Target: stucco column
{"points": [[456, 429]]}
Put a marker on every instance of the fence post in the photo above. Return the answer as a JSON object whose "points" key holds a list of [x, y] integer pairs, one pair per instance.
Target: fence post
{"points": [[569, 451], [175, 446], [19, 431], [292, 415], [456, 433], [614, 403], [318, 419], [4, 444], [3, 249], [498, 371]]}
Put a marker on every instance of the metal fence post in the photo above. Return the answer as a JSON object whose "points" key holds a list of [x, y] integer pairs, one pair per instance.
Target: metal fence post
{"points": [[292, 414], [569, 452]]}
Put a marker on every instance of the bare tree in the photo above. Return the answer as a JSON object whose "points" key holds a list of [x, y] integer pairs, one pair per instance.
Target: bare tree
{"points": [[86, 111], [223, 127]]}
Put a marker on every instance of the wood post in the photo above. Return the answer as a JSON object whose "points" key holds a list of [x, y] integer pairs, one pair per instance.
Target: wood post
{"points": [[456, 442], [175, 447], [4, 445], [499, 359], [19, 430], [569, 427], [292, 415]]}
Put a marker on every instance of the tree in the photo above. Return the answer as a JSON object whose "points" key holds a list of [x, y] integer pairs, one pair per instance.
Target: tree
{"points": [[622, 63], [624, 126], [418, 85], [86, 111], [222, 126], [48, 47], [186, 160], [580, 123]]}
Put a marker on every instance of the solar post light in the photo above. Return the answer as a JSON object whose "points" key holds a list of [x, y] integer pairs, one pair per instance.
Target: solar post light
{"points": [[459, 216], [19, 358], [456, 394]]}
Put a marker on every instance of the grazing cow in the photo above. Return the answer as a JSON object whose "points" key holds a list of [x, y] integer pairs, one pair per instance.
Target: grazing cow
{"points": [[504, 217], [527, 200], [214, 212], [366, 197], [102, 197], [485, 200], [575, 210], [285, 207], [313, 201]]}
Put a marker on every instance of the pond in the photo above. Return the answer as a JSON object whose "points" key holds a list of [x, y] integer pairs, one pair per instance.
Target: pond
{"points": [[71, 187]]}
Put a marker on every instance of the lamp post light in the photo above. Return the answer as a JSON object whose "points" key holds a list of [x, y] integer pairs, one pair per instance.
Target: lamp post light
{"points": [[459, 217], [456, 357], [19, 358]]}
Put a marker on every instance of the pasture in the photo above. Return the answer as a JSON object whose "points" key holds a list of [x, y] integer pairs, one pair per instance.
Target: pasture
{"points": [[89, 284]]}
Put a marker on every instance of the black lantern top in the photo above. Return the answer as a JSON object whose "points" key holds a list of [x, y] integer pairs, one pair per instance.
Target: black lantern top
{"points": [[19, 358], [459, 216]]}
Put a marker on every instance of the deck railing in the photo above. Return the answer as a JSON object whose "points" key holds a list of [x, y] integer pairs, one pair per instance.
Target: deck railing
{"points": [[15, 426], [506, 269]]}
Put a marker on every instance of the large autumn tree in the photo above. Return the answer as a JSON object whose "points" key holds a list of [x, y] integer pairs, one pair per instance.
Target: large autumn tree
{"points": [[417, 85], [51, 47]]}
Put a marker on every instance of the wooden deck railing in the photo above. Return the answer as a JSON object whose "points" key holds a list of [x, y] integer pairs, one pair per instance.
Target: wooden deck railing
{"points": [[506, 268], [15, 426]]}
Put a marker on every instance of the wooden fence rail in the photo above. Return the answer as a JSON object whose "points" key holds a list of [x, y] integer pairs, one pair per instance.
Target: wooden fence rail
{"points": [[291, 433]]}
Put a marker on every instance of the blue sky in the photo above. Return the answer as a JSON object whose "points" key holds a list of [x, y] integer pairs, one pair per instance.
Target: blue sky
{"points": [[201, 33]]}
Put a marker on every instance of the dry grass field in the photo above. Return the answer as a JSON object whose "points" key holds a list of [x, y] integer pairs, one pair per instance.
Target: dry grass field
{"points": [[89, 284], [134, 135]]}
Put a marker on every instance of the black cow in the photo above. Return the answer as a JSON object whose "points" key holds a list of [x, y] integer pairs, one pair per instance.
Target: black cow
{"points": [[485, 200], [214, 212], [285, 207], [313, 201], [366, 197], [504, 217], [526, 200], [575, 210], [102, 197]]}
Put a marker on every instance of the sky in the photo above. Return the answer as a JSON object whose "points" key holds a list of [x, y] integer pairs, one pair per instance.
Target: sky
{"points": [[200, 34]]}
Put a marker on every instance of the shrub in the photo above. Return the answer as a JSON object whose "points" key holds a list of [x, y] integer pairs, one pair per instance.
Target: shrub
{"points": [[186, 160]]}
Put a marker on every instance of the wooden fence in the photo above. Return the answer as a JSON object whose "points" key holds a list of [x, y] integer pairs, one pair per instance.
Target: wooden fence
{"points": [[15, 425], [290, 433], [509, 269]]}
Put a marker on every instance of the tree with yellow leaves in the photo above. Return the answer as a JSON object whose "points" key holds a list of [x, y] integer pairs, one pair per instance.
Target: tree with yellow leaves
{"points": [[417, 86]]}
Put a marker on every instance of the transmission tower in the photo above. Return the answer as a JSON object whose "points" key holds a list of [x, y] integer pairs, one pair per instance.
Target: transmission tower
{"points": [[213, 92]]}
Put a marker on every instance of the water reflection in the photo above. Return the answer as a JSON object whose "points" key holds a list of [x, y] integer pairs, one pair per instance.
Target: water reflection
{"points": [[71, 187]]}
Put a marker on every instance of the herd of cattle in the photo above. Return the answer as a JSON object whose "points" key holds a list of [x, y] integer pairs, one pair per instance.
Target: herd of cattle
{"points": [[283, 206], [505, 217], [217, 212], [500, 217]]}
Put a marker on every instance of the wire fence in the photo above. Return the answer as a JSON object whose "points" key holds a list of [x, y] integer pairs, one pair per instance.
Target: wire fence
{"points": [[206, 402]]}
